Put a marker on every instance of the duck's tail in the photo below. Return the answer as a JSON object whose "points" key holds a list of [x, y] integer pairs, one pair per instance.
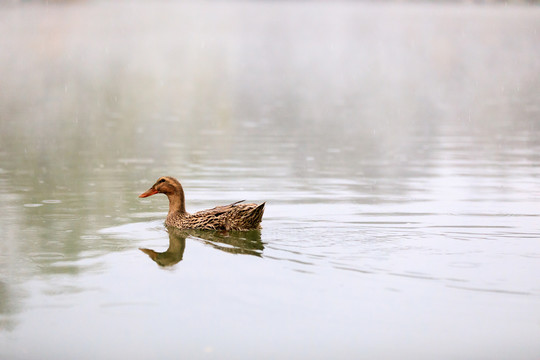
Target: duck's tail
{"points": [[244, 217], [257, 214], [252, 217]]}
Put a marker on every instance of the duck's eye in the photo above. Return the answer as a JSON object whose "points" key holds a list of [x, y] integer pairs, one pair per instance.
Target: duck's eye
{"points": [[161, 181]]}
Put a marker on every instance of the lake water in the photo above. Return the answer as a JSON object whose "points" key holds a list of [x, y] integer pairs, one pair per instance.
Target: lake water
{"points": [[397, 148]]}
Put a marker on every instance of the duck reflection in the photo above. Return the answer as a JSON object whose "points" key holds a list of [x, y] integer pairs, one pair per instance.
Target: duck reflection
{"points": [[234, 242]]}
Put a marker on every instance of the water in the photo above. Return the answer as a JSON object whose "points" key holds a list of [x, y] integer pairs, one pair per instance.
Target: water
{"points": [[397, 148]]}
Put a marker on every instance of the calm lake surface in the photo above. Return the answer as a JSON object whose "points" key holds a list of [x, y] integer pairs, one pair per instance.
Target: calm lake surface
{"points": [[397, 148]]}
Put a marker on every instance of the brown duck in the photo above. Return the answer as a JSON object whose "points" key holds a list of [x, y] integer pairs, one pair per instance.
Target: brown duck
{"points": [[235, 216]]}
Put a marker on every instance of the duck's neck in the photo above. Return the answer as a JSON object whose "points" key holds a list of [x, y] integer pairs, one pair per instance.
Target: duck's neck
{"points": [[177, 202]]}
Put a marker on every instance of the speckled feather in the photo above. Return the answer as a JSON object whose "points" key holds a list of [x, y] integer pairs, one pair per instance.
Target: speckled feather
{"points": [[236, 216], [229, 217]]}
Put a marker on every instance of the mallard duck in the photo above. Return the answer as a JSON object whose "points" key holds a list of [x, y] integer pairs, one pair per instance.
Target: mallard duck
{"points": [[236, 216]]}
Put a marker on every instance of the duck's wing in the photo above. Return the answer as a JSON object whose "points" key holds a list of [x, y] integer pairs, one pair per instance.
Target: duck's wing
{"points": [[218, 209], [235, 216], [212, 219]]}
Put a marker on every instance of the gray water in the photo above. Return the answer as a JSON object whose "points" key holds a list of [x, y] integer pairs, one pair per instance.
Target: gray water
{"points": [[397, 148]]}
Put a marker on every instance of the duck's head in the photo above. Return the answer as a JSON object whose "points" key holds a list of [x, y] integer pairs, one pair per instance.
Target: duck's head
{"points": [[166, 185]]}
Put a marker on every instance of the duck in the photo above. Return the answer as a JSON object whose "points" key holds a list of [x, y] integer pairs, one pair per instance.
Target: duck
{"points": [[237, 216]]}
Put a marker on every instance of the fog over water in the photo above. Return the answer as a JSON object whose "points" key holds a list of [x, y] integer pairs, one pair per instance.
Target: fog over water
{"points": [[397, 147]]}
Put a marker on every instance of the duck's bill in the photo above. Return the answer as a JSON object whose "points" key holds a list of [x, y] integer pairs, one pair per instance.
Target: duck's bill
{"points": [[148, 193]]}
